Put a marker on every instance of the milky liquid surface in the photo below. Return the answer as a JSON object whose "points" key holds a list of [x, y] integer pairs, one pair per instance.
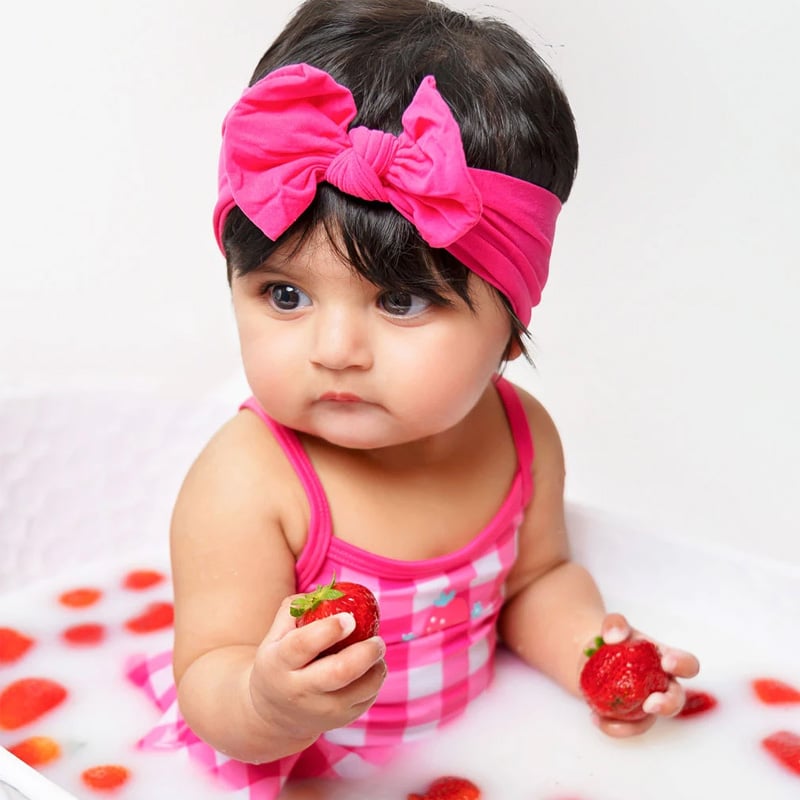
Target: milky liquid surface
{"points": [[524, 739]]}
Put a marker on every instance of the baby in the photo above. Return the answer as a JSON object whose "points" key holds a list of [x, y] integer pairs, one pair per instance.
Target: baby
{"points": [[389, 184]]}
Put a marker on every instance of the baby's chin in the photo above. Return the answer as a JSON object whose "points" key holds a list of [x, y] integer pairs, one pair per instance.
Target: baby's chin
{"points": [[361, 433], [358, 439]]}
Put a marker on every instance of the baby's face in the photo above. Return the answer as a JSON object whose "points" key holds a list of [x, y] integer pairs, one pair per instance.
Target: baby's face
{"points": [[332, 355]]}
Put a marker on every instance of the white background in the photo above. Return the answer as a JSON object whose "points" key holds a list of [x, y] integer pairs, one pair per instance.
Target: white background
{"points": [[667, 343]]}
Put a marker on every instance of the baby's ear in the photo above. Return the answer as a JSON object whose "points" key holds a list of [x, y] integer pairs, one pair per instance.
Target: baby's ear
{"points": [[513, 351]]}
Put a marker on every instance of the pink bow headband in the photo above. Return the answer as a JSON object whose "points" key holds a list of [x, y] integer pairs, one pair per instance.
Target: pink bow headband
{"points": [[289, 131]]}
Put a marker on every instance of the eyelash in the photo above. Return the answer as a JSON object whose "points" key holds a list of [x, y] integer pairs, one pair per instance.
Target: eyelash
{"points": [[267, 287], [263, 290]]}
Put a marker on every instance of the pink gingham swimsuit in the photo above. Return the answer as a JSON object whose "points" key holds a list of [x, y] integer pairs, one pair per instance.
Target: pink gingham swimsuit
{"points": [[438, 619]]}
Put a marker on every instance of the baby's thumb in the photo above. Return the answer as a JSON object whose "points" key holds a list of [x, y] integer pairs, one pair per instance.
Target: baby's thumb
{"points": [[283, 622], [615, 629]]}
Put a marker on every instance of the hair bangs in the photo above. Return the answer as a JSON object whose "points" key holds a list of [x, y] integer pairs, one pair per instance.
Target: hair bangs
{"points": [[370, 238]]}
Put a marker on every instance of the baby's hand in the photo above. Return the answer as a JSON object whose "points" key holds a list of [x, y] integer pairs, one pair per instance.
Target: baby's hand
{"points": [[305, 697], [677, 663]]}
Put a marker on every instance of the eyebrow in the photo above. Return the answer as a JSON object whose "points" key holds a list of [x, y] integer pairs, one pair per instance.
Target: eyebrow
{"points": [[282, 269]]}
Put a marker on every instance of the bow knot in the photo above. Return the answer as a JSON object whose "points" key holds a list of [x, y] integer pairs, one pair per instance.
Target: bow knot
{"points": [[359, 169]]}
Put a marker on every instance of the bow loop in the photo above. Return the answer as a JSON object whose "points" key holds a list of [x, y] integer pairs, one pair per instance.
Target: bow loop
{"points": [[289, 132]]}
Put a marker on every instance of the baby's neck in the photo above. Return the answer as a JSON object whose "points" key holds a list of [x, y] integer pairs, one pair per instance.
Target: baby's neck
{"points": [[396, 502]]}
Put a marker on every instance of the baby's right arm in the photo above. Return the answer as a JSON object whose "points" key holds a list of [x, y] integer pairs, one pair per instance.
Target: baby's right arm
{"points": [[261, 704], [248, 682]]}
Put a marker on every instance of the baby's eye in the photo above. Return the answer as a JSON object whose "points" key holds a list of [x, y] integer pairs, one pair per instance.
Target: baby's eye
{"points": [[285, 297], [403, 304]]}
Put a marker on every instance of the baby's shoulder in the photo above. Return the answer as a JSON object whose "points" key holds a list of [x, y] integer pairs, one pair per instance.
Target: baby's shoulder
{"points": [[242, 446], [544, 433], [241, 468]]}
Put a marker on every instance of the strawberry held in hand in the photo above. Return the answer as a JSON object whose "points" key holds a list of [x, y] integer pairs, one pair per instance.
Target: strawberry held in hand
{"points": [[618, 678], [335, 598]]}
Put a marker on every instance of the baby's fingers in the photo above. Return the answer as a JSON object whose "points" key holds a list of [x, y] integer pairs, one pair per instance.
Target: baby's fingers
{"points": [[666, 704], [283, 623], [679, 662], [615, 629], [337, 671], [302, 645], [618, 729]]}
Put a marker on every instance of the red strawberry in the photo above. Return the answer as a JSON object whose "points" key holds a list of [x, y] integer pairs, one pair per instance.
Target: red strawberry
{"points": [[325, 601], [27, 699], [142, 579], [36, 750], [697, 703], [785, 747], [154, 618], [618, 678], [80, 598], [105, 776], [449, 788], [86, 634], [13, 645], [774, 692]]}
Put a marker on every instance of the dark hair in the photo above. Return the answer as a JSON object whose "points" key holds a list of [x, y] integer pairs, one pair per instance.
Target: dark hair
{"points": [[513, 115]]}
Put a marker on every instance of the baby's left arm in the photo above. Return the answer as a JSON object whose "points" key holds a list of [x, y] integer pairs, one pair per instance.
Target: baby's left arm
{"points": [[554, 609]]}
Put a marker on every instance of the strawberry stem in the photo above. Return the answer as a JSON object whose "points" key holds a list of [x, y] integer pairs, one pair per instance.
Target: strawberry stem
{"points": [[594, 647], [308, 602]]}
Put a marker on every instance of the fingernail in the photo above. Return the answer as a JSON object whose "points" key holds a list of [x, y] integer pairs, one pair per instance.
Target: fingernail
{"points": [[615, 635], [669, 663], [652, 705], [347, 621]]}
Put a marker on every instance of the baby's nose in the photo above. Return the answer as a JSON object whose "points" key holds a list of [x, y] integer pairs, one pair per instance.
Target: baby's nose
{"points": [[341, 341]]}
